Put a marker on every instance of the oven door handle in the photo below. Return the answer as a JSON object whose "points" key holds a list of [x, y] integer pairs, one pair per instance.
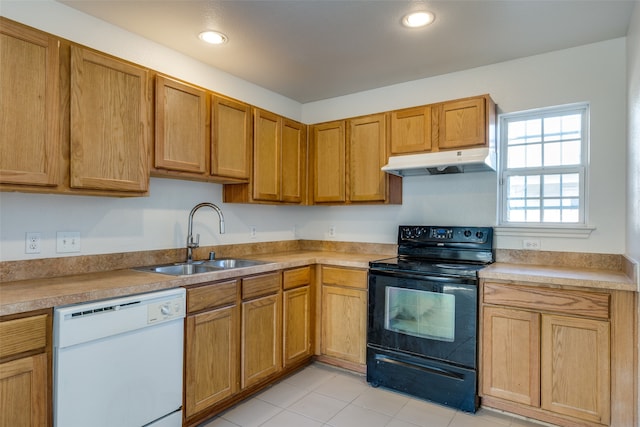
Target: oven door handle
{"points": [[406, 275], [429, 369]]}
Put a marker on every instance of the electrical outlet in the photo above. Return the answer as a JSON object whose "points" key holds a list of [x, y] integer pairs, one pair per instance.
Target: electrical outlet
{"points": [[252, 231], [332, 231], [67, 241], [531, 244], [32, 243]]}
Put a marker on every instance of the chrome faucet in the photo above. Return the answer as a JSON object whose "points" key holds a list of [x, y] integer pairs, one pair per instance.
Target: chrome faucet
{"points": [[192, 242]]}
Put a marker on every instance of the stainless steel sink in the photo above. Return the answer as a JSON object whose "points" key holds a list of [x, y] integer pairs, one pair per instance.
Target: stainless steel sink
{"points": [[197, 267], [227, 263], [181, 269]]}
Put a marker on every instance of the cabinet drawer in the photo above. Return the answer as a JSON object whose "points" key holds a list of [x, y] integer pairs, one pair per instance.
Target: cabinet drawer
{"points": [[22, 335], [589, 304], [344, 277], [211, 296], [264, 284], [296, 277]]}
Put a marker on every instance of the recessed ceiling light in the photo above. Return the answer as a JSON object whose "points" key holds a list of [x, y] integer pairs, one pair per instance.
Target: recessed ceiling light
{"points": [[213, 37], [418, 19]]}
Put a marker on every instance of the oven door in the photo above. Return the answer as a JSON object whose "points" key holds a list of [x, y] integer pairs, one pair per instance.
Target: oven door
{"points": [[433, 317]]}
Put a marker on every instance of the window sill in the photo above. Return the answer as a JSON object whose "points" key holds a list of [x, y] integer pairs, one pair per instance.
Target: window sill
{"points": [[572, 232]]}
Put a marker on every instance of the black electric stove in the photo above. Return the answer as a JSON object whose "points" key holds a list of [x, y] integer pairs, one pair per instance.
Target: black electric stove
{"points": [[423, 314]]}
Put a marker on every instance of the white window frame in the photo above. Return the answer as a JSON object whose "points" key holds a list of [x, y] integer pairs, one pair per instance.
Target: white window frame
{"points": [[564, 229]]}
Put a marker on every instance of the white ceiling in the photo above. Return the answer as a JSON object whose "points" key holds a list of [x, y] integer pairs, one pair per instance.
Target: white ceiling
{"points": [[309, 50]]}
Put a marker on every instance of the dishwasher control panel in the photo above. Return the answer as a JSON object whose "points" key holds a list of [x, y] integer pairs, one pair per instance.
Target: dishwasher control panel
{"points": [[165, 310]]}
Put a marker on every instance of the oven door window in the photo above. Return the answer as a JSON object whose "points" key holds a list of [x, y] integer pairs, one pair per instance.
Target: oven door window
{"points": [[421, 314]]}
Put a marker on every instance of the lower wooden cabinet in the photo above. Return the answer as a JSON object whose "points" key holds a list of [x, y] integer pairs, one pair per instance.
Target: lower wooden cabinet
{"points": [[344, 314], [261, 336], [552, 354], [296, 316], [211, 358], [25, 350], [211, 345]]}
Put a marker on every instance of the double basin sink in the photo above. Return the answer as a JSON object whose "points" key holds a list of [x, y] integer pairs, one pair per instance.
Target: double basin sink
{"points": [[196, 267]]}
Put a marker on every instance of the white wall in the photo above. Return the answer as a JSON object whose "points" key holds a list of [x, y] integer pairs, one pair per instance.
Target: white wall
{"points": [[594, 73]]}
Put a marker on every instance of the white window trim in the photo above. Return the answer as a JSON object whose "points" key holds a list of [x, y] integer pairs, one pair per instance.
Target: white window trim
{"points": [[580, 230]]}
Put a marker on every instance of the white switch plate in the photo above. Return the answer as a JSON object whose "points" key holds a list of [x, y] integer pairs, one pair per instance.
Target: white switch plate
{"points": [[67, 241], [252, 231], [32, 243], [531, 244]]}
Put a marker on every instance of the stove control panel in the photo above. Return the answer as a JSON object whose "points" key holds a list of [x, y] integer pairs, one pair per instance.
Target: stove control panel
{"points": [[423, 233]]}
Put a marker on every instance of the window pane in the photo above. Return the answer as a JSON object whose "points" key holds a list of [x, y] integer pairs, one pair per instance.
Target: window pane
{"points": [[546, 148], [552, 186], [516, 157]]}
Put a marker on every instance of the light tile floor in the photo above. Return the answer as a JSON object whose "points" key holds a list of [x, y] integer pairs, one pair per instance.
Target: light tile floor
{"points": [[324, 396]]}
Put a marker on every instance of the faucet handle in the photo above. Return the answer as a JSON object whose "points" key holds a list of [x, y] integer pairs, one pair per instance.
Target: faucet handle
{"points": [[194, 242]]}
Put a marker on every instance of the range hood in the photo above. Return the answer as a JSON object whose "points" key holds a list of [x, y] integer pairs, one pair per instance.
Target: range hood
{"points": [[443, 162]]}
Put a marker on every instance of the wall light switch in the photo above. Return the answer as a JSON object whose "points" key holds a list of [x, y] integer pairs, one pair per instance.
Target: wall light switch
{"points": [[67, 241]]}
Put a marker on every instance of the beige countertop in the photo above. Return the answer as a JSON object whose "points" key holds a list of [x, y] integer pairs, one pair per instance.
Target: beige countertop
{"points": [[34, 294], [559, 276]]}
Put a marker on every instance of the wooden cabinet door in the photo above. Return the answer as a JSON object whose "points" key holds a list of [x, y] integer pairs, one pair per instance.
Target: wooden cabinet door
{"points": [[109, 123], [181, 127], [367, 154], [296, 320], [211, 359], [29, 111], [266, 156], [231, 137], [293, 161], [261, 339], [511, 355], [24, 392], [329, 162], [344, 323], [576, 367], [411, 130], [462, 123]]}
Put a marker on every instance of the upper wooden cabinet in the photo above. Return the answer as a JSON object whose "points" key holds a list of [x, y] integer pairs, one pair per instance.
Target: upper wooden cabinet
{"points": [[231, 139], [411, 130], [279, 162], [328, 162], [181, 139], [29, 112], [199, 135], [346, 166], [450, 125], [109, 123], [465, 122]]}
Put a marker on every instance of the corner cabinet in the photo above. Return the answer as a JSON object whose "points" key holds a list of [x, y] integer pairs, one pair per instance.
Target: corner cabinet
{"points": [[557, 355], [25, 374], [346, 161], [279, 162], [29, 131], [110, 107], [344, 317]]}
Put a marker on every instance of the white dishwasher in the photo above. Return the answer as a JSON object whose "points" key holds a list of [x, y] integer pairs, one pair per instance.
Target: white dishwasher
{"points": [[118, 362]]}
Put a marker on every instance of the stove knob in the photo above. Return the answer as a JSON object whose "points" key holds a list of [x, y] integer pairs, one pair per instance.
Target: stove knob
{"points": [[479, 234], [467, 233]]}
